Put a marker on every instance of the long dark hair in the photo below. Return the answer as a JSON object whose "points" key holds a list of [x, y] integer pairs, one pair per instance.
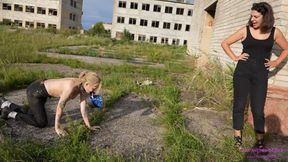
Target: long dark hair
{"points": [[268, 16]]}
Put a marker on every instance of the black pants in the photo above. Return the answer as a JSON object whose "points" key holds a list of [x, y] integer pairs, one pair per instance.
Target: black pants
{"points": [[250, 79], [37, 96]]}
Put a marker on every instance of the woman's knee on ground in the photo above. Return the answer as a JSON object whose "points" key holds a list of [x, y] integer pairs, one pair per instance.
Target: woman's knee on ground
{"points": [[42, 123]]}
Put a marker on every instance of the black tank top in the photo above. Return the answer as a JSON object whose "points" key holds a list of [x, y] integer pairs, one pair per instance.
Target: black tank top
{"points": [[257, 49]]}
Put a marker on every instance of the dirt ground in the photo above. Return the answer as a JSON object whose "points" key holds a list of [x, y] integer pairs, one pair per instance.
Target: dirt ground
{"points": [[129, 128]]}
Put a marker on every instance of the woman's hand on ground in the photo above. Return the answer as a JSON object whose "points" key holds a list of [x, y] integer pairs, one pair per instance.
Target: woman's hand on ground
{"points": [[61, 132], [94, 128], [243, 56]]}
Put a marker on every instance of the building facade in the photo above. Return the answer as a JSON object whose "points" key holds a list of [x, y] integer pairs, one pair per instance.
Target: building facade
{"points": [[59, 14], [217, 19], [156, 21]]}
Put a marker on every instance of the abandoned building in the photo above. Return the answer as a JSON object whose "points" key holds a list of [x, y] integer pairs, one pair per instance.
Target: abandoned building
{"points": [[216, 20], [59, 14], [165, 22]]}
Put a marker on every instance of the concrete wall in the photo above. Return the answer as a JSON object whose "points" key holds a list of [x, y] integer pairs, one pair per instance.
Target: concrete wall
{"points": [[63, 8], [71, 15], [150, 16], [228, 19]]}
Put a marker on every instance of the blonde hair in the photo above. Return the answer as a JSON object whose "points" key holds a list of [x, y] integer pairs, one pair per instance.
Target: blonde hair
{"points": [[90, 77]]}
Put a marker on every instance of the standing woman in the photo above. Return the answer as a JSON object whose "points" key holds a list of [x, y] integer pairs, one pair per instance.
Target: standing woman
{"points": [[251, 74]]}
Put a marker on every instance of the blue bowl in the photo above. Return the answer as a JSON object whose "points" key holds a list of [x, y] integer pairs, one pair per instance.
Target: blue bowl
{"points": [[95, 101]]}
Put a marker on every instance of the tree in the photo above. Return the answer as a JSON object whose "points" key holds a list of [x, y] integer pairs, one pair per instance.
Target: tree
{"points": [[98, 29]]}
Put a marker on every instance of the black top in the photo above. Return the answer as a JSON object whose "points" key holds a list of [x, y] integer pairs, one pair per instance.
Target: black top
{"points": [[258, 49]]}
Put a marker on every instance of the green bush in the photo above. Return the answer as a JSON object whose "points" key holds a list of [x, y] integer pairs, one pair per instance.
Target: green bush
{"points": [[98, 30]]}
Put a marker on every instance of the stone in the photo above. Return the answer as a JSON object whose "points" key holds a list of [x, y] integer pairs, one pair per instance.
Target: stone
{"points": [[276, 111], [210, 124]]}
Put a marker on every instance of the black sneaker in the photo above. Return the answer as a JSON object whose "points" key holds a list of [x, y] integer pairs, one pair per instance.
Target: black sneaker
{"points": [[4, 113]]}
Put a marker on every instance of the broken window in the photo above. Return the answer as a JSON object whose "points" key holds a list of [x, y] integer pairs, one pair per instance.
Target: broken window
{"points": [[164, 40], [179, 11], [141, 38], [185, 42], [6, 6], [18, 23], [120, 19], [132, 36], [122, 4], [7, 21], [134, 5], [190, 12], [157, 8], [168, 9], [132, 21], [175, 41], [119, 35], [18, 7], [52, 26], [74, 17], [153, 39], [70, 16], [30, 9], [52, 11], [187, 28], [41, 10], [29, 24], [143, 22], [40, 25], [166, 25], [145, 6], [177, 26], [155, 24]]}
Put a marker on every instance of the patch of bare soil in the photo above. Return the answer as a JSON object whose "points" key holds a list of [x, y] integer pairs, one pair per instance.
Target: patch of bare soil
{"points": [[211, 125], [130, 130], [101, 60], [66, 70]]}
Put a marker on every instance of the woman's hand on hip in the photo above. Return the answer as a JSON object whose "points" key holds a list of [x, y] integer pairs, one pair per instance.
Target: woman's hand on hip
{"points": [[270, 64], [243, 57]]}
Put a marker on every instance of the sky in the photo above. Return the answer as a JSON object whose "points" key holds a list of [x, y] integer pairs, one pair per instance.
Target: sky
{"points": [[96, 11]]}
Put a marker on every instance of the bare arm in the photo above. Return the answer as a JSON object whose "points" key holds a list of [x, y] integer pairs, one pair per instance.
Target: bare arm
{"points": [[282, 42], [232, 39], [84, 113], [59, 110], [83, 110]]}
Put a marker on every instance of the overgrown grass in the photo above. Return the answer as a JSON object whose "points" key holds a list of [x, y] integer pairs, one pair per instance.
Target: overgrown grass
{"points": [[127, 51], [16, 78], [211, 88]]}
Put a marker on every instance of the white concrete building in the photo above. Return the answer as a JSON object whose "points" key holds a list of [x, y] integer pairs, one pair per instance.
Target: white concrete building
{"points": [[217, 19], [107, 26], [164, 22], [59, 14]]}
